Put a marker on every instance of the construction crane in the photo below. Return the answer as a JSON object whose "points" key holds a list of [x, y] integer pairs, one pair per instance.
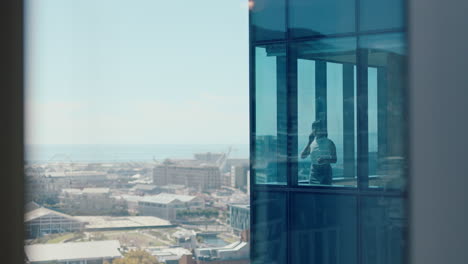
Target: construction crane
{"points": [[222, 161]]}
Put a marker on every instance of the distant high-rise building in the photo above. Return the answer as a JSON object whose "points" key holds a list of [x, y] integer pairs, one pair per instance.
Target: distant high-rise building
{"points": [[194, 175], [239, 176]]}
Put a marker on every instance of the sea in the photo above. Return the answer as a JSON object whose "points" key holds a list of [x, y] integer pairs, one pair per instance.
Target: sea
{"points": [[126, 153]]}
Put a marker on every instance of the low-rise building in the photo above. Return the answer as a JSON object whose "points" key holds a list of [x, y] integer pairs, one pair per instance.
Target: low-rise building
{"points": [[109, 223], [235, 253], [95, 252], [171, 255], [77, 179], [88, 201], [239, 217], [142, 189], [185, 238], [173, 188], [43, 221], [167, 205]]}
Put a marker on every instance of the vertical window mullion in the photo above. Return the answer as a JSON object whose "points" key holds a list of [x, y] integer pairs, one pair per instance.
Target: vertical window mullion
{"points": [[362, 119], [349, 166], [292, 116]]}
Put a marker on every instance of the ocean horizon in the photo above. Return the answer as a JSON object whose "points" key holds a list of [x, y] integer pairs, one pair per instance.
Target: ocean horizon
{"points": [[39, 153]]}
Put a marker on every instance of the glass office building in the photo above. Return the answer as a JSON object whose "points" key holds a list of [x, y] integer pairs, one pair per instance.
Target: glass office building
{"points": [[328, 131]]}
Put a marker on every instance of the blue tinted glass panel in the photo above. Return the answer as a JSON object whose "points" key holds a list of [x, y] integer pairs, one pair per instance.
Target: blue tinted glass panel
{"points": [[269, 228], [383, 230], [321, 17], [306, 112], [387, 79], [270, 115], [372, 120], [326, 95], [323, 229], [268, 20], [381, 14]]}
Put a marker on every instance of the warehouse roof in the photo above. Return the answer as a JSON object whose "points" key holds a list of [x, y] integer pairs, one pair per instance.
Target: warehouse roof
{"points": [[39, 212], [86, 191], [119, 222], [73, 251], [166, 198]]}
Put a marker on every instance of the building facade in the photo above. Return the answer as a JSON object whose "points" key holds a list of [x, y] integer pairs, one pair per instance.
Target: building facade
{"points": [[239, 176], [328, 131], [43, 221], [239, 217], [198, 176], [89, 201], [167, 205], [235, 253]]}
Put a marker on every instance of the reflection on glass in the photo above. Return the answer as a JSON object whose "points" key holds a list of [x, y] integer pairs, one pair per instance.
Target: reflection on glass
{"points": [[269, 228], [386, 60], [321, 17], [381, 14], [322, 152], [270, 115], [383, 230], [326, 96], [268, 20], [306, 110], [323, 229], [372, 117]]}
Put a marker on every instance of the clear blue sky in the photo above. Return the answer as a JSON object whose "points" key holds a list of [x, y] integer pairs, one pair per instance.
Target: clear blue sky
{"points": [[137, 71]]}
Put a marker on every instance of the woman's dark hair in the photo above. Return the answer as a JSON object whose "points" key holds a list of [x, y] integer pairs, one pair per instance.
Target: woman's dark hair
{"points": [[320, 127]]}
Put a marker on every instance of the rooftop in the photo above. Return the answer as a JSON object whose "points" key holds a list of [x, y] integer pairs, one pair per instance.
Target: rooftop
{"points": [[145, 187], [86, 191], [244, 206], [236, 250], [172, 251], [73, 251], [111, 222], [75, 174], [188, 163], [31, 206], [166, 198], [39, 212]]}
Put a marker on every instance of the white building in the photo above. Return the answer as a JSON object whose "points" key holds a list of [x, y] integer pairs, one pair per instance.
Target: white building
{"points": [[237, 251], [185, 238], [166, 205], [170, 255], [95, 252], [190, 173]]}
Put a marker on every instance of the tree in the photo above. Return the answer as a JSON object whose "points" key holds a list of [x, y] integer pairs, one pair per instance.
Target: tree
{"points": [[136, 257]]}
